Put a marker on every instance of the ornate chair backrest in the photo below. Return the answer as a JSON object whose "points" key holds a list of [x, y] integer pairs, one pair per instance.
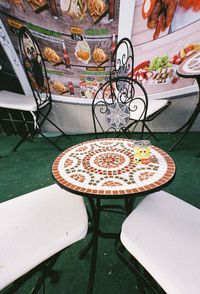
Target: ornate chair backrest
{"points": [[118, 104], [123, 59], [34, 67]]}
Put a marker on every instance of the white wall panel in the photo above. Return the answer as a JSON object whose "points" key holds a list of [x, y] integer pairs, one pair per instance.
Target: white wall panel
{"points": [[77, 118]]}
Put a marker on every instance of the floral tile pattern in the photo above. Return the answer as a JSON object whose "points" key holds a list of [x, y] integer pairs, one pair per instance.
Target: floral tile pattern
{"points": [[106, 167]]}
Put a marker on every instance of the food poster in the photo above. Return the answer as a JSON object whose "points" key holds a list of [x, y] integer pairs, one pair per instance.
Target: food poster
{"points": [[76, 37], [164, 33]]}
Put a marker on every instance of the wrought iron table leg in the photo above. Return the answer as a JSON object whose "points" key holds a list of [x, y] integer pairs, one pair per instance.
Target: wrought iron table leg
{"points": [[96, 217], [96, 209]]}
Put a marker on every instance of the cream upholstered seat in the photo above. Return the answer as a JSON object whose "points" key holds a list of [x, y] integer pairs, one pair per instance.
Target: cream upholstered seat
{"points": [[10, 100], [35, 226], [163, 234]]}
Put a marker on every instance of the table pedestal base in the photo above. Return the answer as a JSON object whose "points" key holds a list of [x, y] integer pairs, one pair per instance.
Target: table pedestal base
{"points": [[96, 209]]}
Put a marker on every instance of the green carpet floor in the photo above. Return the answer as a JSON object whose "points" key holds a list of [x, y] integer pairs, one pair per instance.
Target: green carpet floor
{"points": [[30, 168]]}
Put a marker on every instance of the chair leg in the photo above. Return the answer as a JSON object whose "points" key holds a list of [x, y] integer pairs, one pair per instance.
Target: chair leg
{"points": [[46, 268], [151, 133], [20, 142], [133, 265], [96, 217], [57, 127], [28, 134], [47, 271], [50, 141]]}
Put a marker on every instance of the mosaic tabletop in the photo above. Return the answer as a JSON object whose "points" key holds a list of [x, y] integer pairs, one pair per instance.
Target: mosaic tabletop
{"points": [[106, 167], [191, 66]]}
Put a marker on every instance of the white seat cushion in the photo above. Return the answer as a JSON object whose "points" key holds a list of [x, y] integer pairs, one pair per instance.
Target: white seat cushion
{"points": [[153, 106], [37, 225], [163, 234], [16, 101]]}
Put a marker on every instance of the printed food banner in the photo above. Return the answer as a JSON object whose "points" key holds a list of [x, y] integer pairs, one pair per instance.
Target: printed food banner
{"points": [[164, 34], [76, 37]]}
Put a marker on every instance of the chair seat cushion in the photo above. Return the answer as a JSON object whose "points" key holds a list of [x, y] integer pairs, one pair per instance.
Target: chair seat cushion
{"points": [[35, 226], [163, 234], [16, 101], [153, 106]]}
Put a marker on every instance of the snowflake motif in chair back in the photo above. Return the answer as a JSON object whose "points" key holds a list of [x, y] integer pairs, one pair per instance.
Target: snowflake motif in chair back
{"points": [[34, 66], [117, 115], [118, 108]]}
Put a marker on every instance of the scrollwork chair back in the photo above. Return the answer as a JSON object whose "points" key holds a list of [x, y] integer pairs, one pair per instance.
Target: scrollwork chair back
{"points": [[123, 59], [113, 104], [34, 67]]}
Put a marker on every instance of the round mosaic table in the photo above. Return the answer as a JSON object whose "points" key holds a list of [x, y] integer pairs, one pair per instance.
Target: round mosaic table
{"points": [[189, 68], [105, 167]]}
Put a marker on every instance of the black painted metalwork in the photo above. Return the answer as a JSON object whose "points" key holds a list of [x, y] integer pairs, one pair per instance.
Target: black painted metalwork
{"points": [[115, 101], [123, 66], [123, 59], [189, 123], [36, 73], [144, 280], [97, 208], [46, 269]]}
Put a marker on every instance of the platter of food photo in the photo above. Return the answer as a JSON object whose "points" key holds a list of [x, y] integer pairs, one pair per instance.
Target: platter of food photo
{"points": [[162, 69]]}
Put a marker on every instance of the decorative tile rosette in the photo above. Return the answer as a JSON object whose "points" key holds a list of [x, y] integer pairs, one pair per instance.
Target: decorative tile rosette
{"points": [[106, 167], [117, 115]]}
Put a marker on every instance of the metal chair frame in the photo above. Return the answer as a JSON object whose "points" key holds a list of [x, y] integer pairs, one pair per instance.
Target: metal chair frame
{"points": [[36, 73], [45, 269], [144, 280], [122, 91], [123, 65]]}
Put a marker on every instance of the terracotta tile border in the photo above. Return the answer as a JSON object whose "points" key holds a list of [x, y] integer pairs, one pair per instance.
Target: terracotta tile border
{"points": [[99, 190]]}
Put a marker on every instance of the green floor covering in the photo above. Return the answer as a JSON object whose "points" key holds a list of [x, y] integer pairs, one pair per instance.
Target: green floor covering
{"points": [[30, 168]]}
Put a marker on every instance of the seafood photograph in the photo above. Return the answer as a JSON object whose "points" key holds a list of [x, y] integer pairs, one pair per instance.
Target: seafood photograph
{"points": [[97, 9], [38, 5], [50, 55], [99, 56], [83, 52], [158, 14], [65, 13], [166, 16], [76, 38], [164, 34], [59, 87], [18, 4], [74, 8]]}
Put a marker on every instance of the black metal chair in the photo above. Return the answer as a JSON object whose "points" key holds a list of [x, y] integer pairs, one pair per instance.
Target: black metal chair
{"points": [[123, 65], [36, 108], [115, 102], [111, 108]]}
